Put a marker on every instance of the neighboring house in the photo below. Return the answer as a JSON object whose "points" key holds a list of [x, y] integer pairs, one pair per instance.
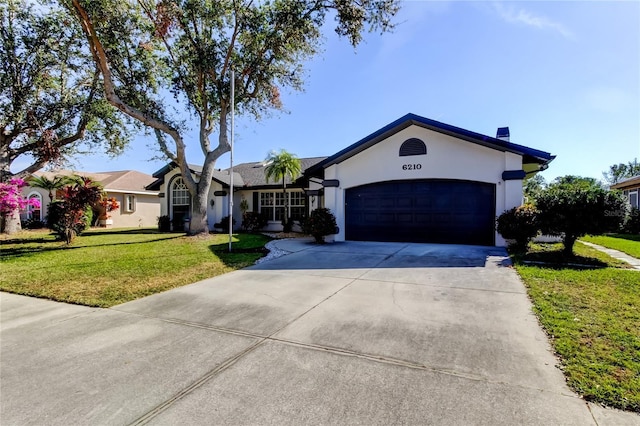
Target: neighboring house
{"points": [[139, 207], [414, 180], [630, 187]]}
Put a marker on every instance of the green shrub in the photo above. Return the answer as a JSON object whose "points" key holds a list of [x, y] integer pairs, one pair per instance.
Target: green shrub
{"points": [[572, 211], [65, 222], [253, 221], [224, 223], [33, 224], [164, 223], [519, 224], [287, 225], [177, 223], [632, 221], [88, 217], [321, 222]]}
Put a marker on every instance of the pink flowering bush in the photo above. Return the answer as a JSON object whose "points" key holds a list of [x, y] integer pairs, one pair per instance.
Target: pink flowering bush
{"points": [[11, 199]]}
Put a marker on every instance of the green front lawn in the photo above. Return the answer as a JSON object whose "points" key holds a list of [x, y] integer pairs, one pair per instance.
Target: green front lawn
{"points": [[109, 267], [592, 316], [626, 243]]}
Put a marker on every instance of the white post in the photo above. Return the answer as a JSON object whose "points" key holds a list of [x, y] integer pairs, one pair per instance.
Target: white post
{"points": [[231, 168]]}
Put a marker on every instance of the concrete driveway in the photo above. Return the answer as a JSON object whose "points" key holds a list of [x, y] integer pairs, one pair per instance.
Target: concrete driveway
{"points": [[346, 333]]}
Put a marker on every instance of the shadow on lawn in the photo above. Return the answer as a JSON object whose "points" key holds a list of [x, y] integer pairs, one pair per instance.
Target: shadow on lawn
{"points": [[557, 259], [23, 246], [243, 251], [132, 231], [630, 237]]}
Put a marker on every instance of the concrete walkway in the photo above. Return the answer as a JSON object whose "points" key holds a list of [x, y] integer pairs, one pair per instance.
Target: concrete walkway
{"points": [[345, 333], [616, 254]]}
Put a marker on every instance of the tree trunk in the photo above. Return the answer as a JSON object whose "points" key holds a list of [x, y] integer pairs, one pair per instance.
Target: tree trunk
{"points": [[199, 224], [568, 242], [10, 223], [285, 217]]}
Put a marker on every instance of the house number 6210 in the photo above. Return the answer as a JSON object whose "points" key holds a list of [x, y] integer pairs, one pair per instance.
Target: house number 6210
{"points": [[411, 166]]}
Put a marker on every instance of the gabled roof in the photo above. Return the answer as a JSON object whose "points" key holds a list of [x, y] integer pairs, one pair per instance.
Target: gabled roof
{"points": [[626, 183], [119, 181], [220, 176], [247, 175], [530, 155], [253, 173]]}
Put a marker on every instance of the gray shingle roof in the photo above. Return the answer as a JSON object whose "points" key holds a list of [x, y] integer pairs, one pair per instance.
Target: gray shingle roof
{"points": [[124, 180], [221, 176], [253, 173]]}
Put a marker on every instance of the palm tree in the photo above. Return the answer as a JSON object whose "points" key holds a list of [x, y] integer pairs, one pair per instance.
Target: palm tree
{"points": [[51, 185], [281, 165]]}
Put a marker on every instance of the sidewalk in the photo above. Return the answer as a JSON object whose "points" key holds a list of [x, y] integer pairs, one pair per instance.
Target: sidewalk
{"points": [[616, 254], [343, 333]]}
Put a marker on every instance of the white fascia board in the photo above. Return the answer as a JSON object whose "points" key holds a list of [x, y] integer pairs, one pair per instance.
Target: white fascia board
{"points": [[123, 191]]}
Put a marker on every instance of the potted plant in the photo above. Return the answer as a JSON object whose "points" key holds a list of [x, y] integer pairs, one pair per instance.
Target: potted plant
{"points": [[109, 205]]}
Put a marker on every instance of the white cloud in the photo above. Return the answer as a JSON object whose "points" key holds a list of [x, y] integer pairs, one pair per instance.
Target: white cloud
{"points": [[514, 15]]}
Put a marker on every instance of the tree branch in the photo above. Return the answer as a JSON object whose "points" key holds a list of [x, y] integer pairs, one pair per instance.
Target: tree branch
{"points": [[100, 57], [80, 128], [102, 61], [232, 43], [163, 145], [24, 173]]}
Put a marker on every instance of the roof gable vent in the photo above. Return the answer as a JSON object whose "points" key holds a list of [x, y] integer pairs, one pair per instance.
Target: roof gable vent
{"points": [[413, 146], [503, 134]]}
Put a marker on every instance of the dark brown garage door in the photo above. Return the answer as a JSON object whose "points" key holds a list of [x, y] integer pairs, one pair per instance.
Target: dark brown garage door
{"points": [[430, 211]]}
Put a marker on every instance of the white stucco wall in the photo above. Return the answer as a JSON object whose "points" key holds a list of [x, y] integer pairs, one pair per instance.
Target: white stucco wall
{"points": [[147, 208], [447, 158], [165, 189], [145, 215], [316, 201], [215, 212], [220, 206]]}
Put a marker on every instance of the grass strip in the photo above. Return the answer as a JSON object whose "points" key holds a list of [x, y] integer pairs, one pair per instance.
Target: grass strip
{"points": [[592, 317], [626, 243], [108, 267]]}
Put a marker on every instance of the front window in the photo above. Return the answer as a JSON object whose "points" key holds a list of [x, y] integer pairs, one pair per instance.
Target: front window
{"points": [[129, 203], [633, 198], [272, 205], [180, 202], [35, 213], [297, 205], [180, 193]]}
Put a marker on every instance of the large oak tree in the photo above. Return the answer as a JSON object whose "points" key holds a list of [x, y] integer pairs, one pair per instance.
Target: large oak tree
{"points": [[51, 98], [190, 47]]}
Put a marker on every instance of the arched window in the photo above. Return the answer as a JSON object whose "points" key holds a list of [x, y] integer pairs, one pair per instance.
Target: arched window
{"points": [[179, 193], [413, 146], [180, 200], [33, 212]]}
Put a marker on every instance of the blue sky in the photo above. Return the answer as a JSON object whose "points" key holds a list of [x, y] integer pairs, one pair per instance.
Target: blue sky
{"points": [[564, 76]]}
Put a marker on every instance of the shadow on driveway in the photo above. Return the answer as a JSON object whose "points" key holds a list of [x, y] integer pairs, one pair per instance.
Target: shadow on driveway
{"points": [[306, 255]]}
